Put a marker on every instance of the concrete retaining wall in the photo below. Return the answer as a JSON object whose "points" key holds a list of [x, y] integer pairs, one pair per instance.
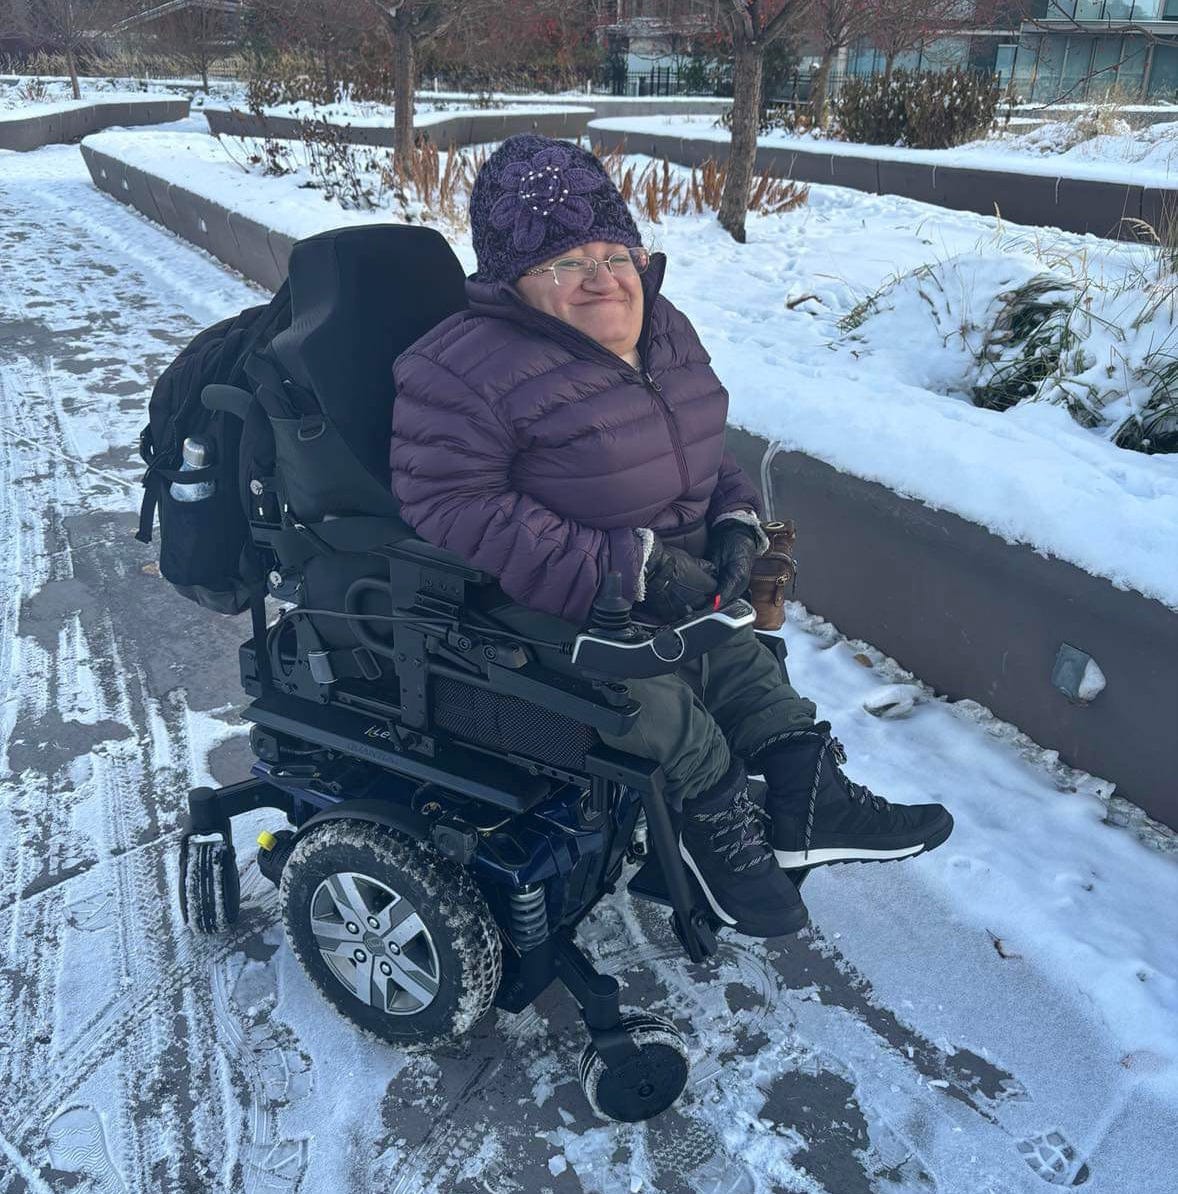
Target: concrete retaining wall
{"points": [[605, 105], [970, 614], [72, 124], [1075, 205], [471, 128], [259, 253], [974, 616]]}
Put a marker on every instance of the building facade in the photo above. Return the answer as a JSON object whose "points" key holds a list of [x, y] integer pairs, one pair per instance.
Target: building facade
{"points": [[1075, 50]]}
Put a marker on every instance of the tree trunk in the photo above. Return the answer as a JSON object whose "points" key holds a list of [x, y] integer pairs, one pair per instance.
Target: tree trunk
{"points": [[818, 87], [72, 65], [402, 89], [204, 75], [742, 154], [889, 62]]}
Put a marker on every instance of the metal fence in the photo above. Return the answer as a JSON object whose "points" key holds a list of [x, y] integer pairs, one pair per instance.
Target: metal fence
{"points": [[794, 89]]}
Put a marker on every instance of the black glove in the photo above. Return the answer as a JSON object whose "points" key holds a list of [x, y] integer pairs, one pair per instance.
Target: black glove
{"points": [[732, 548], [676, 583]]}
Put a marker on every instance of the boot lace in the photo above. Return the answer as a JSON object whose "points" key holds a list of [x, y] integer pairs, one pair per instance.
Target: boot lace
{"points": [[859, 793], [738, 832]]}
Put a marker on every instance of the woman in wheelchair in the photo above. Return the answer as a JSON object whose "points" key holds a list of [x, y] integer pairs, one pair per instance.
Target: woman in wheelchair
{"points": [[568, 425]]}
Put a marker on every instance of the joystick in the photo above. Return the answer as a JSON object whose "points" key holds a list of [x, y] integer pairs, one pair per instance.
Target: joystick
{"points": [[610, 616]]}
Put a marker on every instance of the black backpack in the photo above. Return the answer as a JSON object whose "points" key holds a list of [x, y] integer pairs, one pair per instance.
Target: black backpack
{"points": [[205, 547]]}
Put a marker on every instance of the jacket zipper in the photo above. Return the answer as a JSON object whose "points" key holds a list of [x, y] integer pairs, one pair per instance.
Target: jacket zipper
{"points": [[672, 428], [580, 344]]}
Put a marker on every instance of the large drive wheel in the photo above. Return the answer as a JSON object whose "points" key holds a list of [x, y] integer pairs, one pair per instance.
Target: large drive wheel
{"points": [[397, 937], [644, 1086]]}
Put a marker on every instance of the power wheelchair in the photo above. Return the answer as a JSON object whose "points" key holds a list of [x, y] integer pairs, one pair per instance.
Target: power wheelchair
{"points": [[452, 814]]}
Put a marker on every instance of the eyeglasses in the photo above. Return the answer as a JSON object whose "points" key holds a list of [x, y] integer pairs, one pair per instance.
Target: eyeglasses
{"points": [[572, 270]]}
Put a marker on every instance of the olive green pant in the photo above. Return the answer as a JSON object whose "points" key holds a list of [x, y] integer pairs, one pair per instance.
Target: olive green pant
{"points": [[727, 702]]}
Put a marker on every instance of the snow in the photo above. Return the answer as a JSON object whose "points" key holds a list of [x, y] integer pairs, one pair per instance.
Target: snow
{"points": [[946, 1023], [595, 99], [24, 111], [374, 115], [1144, 157], [1092, 682], [200, 163], [889, 408]]}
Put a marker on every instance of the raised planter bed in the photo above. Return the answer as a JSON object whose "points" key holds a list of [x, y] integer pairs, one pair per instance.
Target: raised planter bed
{"points": [[471, 128], [606, 105], [259, 253], [1102, 208], [972, 615], [72, 123], [467, 128]]}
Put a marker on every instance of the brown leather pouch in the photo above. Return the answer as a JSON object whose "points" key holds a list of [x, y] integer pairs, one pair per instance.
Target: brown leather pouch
{"points": [[773, 575]]}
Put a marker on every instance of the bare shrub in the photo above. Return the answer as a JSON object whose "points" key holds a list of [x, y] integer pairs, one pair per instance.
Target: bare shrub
{"points": [[659, 191], [1030, 335], [34, 91], [288, 77], [342, 170], [929, 110]]}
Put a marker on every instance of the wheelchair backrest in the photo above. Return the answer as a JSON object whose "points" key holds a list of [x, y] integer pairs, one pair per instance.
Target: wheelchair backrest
{"points": [[360, 297]]}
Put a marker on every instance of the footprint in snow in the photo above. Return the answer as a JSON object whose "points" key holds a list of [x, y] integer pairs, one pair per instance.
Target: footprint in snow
{"points": [[1052, 1157], [77, 1145]]}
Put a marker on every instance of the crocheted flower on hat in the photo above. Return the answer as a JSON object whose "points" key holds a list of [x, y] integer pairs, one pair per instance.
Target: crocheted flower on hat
{"points": [[547, 186]]}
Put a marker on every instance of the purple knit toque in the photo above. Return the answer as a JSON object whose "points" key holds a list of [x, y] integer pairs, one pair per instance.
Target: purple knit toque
{"points": [[535, 197]]}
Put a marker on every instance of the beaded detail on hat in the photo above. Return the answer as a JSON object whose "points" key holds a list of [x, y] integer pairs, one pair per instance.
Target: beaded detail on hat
{"points": [[536, 196]]}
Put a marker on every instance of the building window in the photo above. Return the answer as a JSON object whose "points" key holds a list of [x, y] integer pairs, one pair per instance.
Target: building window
{"points": [[1131, 74], [1076, 72], [1163, 74], [1046, 82], [1106, 58]]}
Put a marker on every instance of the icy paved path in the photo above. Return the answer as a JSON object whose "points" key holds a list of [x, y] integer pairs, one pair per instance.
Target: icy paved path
{"points": [[891, 1049]]}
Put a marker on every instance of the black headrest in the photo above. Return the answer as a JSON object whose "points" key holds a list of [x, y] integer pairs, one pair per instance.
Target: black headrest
{"points": [[359, 298]]}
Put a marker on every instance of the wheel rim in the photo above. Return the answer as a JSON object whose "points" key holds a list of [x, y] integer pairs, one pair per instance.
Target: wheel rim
{"points": [[375, 943]]}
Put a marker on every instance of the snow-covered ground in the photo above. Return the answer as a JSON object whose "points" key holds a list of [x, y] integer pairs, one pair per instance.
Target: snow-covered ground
{"points": [[950, 1025], [425, 111], [1145, 156], [1149, 151], [889, 404], [22, 91], [23, 111]]}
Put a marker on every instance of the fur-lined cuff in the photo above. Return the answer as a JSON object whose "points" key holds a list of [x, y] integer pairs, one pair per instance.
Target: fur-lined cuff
{"points": [[646, 546], [751, 520]]}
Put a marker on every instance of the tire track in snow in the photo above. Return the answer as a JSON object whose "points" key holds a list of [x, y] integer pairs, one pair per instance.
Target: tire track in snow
{"points": [[79, 314]]}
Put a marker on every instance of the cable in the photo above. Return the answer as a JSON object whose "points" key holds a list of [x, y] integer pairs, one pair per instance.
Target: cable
{"points": [[339, 613], [423, 620]]}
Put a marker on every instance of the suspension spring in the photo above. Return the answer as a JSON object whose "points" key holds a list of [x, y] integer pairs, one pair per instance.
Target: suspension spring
{"points": [[529, 918]]}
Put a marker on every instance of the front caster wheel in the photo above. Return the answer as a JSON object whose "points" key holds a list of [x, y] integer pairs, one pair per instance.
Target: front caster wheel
{"points": [[645, 1085], [210, 888]]}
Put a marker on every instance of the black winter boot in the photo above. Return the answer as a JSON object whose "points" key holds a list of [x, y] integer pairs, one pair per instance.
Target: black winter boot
{"points": [[817, 815], [722, 840]]}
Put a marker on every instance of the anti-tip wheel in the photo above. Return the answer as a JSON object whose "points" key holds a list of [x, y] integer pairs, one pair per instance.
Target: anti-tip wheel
{"points": [[647, 1084], [212, 887]]}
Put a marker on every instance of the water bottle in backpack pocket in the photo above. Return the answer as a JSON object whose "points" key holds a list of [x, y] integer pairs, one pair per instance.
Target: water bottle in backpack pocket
{"points": [[204, 542], [196, 455]]}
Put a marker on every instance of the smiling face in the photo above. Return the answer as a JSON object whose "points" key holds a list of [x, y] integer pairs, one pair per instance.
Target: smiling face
{"points": [[608, 309]]}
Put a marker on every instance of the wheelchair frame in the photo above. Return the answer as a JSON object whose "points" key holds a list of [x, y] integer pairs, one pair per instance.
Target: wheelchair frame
{"points": [[576, 844]]}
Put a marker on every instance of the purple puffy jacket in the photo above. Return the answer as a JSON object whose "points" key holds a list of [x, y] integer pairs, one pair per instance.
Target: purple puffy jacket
{"points": [[533, 452]]}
